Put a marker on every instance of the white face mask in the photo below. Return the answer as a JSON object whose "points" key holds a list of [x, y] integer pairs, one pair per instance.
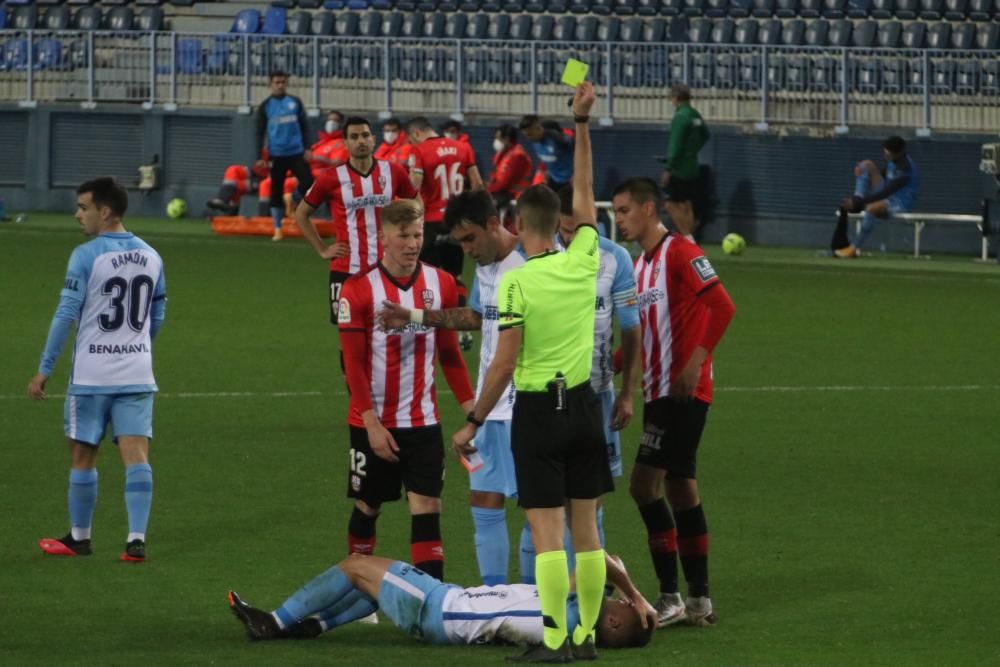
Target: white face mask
{"points": [[390, 136], [498, 146], [332, 126], [451, 135]]}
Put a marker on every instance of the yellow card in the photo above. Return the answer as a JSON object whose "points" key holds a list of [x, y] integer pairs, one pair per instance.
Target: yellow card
{"points": [[575, 72]]}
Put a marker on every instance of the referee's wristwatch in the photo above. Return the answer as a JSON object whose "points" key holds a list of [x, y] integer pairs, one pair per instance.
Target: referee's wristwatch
{"points": [[471, 418]]}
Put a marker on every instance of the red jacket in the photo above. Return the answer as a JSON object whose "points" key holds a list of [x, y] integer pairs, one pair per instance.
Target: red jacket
{"points": [[398, 151], [511, 172]]}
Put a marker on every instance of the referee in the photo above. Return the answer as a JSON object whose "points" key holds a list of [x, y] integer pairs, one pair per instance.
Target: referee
{"points": [[546, 314]]}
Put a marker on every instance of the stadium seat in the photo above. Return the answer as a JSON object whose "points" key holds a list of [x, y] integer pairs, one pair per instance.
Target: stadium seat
{"points": [[287, 4], [793, 33], [189, 56], [500, 27], [914, 35], [786, 9], [988, 36], [471, 6], [647, 7], [839, 33], [601, 7], [963, 36], [434, 25], [564, 29], [769, 32], [931, 10], [967, 77], [542, 28], [905, 10], [943, 76], [345, 24], [477, 26], [322, 24], [586, 29], [455, 24], [392, 24], [247, 22], [890, 34], [512, 6], [300, 23], [864, 33], [739, 9], [745, 32], [810, 9], [412, 25], [275, 20], [14, 55], [119, 19], [86, 18], [989, 83], [631, 30], [722, 31], [625, 7], [609, 28], [56, 18], [149, 19], [762, 9], [913, 72], [384, 5], [956, 10], [694, 7], [859, 9], [579, 6], [834, 9], [48, 54], [700, 31], [816, 32], [26, 18], [939, 36], [670, 7], [370, 24], [80, 2], [114, 3], [716, 8], [654, 30], [408, 6], [980, 10], [520, 28], [40, 3], [310, 4], [882, 9]]}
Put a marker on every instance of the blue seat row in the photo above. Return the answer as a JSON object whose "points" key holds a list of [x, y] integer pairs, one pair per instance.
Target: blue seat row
{"points": [[61, 17]]}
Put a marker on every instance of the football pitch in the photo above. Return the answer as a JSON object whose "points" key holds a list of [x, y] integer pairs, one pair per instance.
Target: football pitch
{"points": [[849, 469]]}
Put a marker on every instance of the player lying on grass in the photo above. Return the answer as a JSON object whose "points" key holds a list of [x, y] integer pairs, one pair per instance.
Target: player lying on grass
{"points": [[437, 613]]}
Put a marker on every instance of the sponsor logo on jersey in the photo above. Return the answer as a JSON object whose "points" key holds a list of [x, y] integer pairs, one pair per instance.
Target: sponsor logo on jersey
{"points": [[649, 297], [704, 268], [71, 284], [132, 348], [344, 312], [498, 594], [490, 313], [368, 201]]}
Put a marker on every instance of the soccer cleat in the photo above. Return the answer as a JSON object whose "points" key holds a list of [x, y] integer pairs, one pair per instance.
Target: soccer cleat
{"points": [[370, 619], [135, 552], [848, 252], [465, 340], [584, 651], [65, 546], [669, 609], [307, 628], [699, 612], [217, 204], [543, 653], [258, 623], [277, 235]]}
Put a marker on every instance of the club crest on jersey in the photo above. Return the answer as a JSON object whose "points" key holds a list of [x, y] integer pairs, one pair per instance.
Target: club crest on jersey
{"points": [[427, 296], [656, 271], [704, 268], [344, 312], [381, 182], [355, 483]]}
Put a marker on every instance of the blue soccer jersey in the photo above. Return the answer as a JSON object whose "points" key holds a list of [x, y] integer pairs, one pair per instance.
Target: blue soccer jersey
{"points": [[115, 293], [615, 296], [284, 120]]}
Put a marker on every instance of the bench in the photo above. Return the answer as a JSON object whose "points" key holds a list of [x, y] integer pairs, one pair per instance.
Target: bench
{"points": [[919, 220]]}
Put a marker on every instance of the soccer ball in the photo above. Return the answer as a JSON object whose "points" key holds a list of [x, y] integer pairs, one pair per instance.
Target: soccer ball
{"points": [[733, 244], [177, 208]]}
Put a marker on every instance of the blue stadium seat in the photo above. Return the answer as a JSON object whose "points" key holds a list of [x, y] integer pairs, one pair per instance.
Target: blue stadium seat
{"points": [[793, 33], [384, 5], [392, 24], [883, 9], [654, 30], [956, 10], [3, 18], [890, 34], [913, 71], [247, 22], [906, 9], [87, 18], [914, 35], [980, 10], [19, 3], [499, 27], [149, 19], [810, 9], [287, 4], [455, 23], [14, 55], [716, 8], [939, 36], [543, 27], [763, 9], [786, 9], [694, 7], [816, 32], [625, 7], [310, 4], [859, 9], [834, 9], [275, 20], [345, 24], [700, 31], [647, 7], [564, 29], [586, 29], [864, 33], [739, 9], [989, 83], [671, 7], [370, 24], [963, 36], [839, 33], [931, 10], [300, 23], [608, 29], [471, 6], [988, 36], [722, 31], [189, 56], [769, 32], [322, 24], [412, 25], [745, 32], [967, 77], [25, 18], [520, 28], [943, 76], [631, 30], [56, 18], [478, 26], [48, 54], [119, 19], [601, 7]]}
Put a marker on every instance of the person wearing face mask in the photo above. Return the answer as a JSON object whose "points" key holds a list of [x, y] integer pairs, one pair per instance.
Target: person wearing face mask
{"points": [[511, 167], [395, 146], [329, 150], [453, 130]]}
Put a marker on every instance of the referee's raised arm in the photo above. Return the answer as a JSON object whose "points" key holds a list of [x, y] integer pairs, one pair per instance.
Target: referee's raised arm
{"points": [[584, 204]]}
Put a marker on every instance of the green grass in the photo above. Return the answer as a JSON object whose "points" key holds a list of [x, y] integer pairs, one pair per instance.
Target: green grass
{"points": [[849, 468]]}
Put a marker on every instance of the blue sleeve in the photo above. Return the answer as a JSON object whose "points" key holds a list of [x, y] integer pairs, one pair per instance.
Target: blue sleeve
{"points": [[623, 291], [473, 300], [159, 305], [68, 311]]}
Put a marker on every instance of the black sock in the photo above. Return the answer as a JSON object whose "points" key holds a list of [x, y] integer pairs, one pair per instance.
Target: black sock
{"points": [[425, 544], [361, 533], [692, 545], [662, 543], [840, 239]]}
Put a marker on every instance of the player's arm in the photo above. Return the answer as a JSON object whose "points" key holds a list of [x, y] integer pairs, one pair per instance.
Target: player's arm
{"points": [[626, 309], [67, 314], [584, 205], [313, 199], [395, 316], [456, 373], [890, 187], [721, 309], [416, 170], [475, 178], [159, 309], [618, 577]]}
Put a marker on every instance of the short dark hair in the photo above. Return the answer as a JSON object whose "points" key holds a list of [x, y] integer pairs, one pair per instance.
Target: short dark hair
{"points": [[538, 206], [451, 124], [419, 123], [642, 190], [356, 120], [392, 121], [339, 113], [565, 200], [629, 634], [508, 132], [106, 191], [680, 92], [529, 120], [895, 144], [473, 207], [275, 74]]}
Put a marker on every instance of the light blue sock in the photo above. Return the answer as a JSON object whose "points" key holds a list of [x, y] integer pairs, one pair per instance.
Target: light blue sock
{"points": [[867, 225], [323, 592], [138, 496], [862, 184], [353, 606], [492, 544], [82, 501], [570, 551], [600, 525], [277, 215], [527, 556]]}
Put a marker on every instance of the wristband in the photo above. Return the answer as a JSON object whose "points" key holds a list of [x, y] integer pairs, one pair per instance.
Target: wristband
{"points": [[581, 119], [471, 418], [417, 316]]}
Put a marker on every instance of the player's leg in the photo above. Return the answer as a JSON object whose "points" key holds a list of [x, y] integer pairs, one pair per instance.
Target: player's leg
{"points": [[279, 166], [342, 594], [288, 197], [489, 486], [303, 175], [874, 211], [371, 481], [235, 183], [132, 426], [421, 465]]}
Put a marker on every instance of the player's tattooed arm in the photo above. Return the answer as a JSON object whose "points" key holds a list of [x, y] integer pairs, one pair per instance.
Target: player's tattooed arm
{"points": [[395, 316]]}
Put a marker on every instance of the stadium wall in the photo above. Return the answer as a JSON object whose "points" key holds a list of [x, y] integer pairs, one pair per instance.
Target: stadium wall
{"points": [[773, 189]]}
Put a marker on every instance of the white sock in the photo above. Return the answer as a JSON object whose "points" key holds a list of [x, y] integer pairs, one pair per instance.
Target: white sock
{"points": [[80, 533], [277, 620], [133, 536]]}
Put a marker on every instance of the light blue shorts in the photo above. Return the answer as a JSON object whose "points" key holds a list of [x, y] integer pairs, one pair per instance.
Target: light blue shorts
{"points": [[610, 436], [414, 601], [896, 206], [497, 474], [86, 416]]}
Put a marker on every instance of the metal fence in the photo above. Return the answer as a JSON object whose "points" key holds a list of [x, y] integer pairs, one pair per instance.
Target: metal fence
{"points": [[760, 85]]}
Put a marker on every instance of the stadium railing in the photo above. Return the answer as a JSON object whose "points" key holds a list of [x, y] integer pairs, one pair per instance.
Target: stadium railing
{"points": [[921, 220], [827, 86]]}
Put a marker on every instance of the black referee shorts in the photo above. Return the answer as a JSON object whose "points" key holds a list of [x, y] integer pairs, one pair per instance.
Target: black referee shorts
{"points": [[671, 432], [559, 455], [374, 480], [683, 189]]}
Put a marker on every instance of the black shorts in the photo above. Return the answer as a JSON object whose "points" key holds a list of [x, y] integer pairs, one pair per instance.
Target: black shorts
{"points": [[671, 431], [559, 455], [337, 279], [420, 468], [683, 189]]}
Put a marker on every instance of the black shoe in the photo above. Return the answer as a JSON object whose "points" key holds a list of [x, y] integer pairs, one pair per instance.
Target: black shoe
{"points": [[65, 546], [307, 628], [258, 623], [543, 653], [217, 204], [584, 651], [135, 552]]}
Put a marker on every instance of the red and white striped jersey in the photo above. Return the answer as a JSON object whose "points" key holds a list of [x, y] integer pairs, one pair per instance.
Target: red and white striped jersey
{"points": [[356, 202], [669, 280], [400, 362], [444, 163]]}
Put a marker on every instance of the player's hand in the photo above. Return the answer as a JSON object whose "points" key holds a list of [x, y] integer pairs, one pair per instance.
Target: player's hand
{"points": [[647, 614], [336, 251], [36, 388], [682, 388], [621, 412], [460, 442], [664, 179], [853, 204], [382, 443], [392, 316], [584, 99]]}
